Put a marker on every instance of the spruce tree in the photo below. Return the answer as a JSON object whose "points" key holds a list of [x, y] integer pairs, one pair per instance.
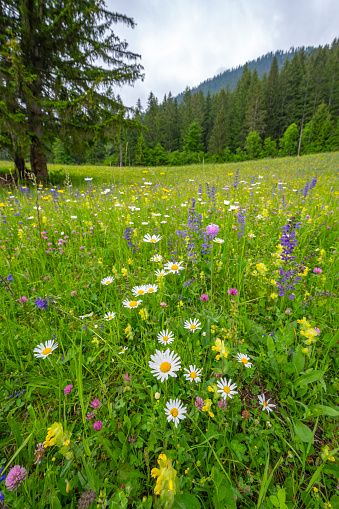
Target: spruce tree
{"points": [[73, 59]]}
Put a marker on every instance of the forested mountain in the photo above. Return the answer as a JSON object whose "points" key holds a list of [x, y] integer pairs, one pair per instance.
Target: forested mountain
{"points": [[289, 111], [230, 77]]}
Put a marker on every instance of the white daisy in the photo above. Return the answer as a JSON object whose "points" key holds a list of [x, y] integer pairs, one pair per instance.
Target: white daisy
{"points": [[163, 222], [164, 364], [193, 374], [74, 217], [43, 350], [107, 280], [218, 241], [110, 315], [86, 316], [267, 406], [144, 222], [151, 288], [192, 325], [165, 337], [244, 359], [156, 258], [130, 304], [226, 388], [251, 235], [175, 411], [173, 267], [152, 238], [160, 273], [123, 350], [139, 290]]}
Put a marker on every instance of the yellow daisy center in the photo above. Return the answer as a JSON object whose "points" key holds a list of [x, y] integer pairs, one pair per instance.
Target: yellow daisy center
{"points": [[174, 412], [193, 374], [227, 389], [133, 304], [193, 326], [150, 290], [153, 240], [264, 403], [140, 292], [107, 282], [244, 361], [165, 367], [46, 351], [165, 338], [174, 267]]}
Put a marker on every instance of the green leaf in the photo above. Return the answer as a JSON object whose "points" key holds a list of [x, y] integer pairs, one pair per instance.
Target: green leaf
{"points": [[302, 431], [314, 376], [186, 501], [325, 410], [298, 359], [121, 437]]}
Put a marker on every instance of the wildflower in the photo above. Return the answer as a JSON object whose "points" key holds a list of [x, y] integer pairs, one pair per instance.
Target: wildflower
{"points": [[192, 325], [107, 280], [95, 403], [199, 403], [207, 406], [68, 389], [139, 290], [87, 499], [132, 438], [193, 374], [86, 316], [110, 315], [173, 268], [43, 350], [274, 295], [287, 311], [127, 377], [43, 303], [167, 482], [97, 425], [143, 313], [90, 416], [165, 337], [157, 395], [130, 304], [156, 258], [218, 241], [160, 273], [175, 411], [152, 238], [219, 346], [163, 305], [244, 359], [226, 388], [23, 299], [222, 404], [123, 350], [212, 230], [151, 288], [39, 453], [245, 415], [316, 270], [15, 477], [204, 297], [267, 406], [232, 291], [73, 294], [164, 364]]}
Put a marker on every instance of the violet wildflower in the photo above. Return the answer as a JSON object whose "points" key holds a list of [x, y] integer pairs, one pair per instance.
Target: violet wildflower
{"points": [[73, 294], [317, 330], [97, 425], [212, 230], [39, 452], [132, 438], [68, 389], [15, 477], [87, 499], [95, 403], [199, 403], [204, 297], [222, 404], [316, 270], [23, 299], [90, 416], [232, 291], [127, 377], [43, 303], [163, 305]]}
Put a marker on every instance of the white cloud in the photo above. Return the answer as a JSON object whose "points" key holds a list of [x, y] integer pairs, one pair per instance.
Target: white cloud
{"points": [[184, 42]]}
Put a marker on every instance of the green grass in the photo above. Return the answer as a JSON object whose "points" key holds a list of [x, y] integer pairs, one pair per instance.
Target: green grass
{"points": [[238, 455]]}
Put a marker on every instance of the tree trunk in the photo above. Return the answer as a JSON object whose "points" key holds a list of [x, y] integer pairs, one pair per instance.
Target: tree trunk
{"points": [[20, 166], [38, 161]]}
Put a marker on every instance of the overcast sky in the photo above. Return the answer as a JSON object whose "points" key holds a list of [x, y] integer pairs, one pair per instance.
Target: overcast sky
{"points": [[184, 42]]}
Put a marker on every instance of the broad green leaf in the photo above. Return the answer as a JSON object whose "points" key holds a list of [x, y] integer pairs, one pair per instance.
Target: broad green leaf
{"points": [[314, 376], [326, 410], [302, 431], [298, 359]]}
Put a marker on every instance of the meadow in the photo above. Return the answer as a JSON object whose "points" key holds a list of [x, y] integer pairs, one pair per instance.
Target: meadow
{"points": [[169, 337]]}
